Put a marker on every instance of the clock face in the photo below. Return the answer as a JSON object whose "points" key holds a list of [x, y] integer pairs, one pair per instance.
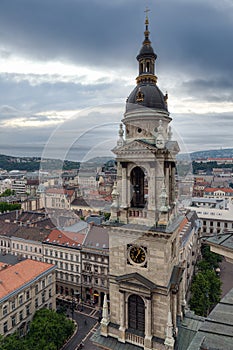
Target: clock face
{"points": [[137, 254]]}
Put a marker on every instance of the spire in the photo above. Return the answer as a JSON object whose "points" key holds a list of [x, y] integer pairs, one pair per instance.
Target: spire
{"points": [[146, 57], [105, 318], [147, 32]]}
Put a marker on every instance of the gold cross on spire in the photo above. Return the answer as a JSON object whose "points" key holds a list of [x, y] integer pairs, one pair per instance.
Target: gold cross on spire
{"points": [[147, 20], [147, 10]]}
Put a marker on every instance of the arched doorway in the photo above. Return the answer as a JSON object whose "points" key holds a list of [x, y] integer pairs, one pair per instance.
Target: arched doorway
{"points": [[137, 178], [136, 313]]}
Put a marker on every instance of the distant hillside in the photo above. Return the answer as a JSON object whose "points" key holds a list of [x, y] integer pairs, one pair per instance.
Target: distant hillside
{"points": [[217, 153], [33, 163]]}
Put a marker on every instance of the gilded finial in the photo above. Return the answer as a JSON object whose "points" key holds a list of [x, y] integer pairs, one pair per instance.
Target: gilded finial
{"points": [[147, 33], [147, 10]]}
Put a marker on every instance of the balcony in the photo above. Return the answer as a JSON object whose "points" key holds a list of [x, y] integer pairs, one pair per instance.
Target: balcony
{"points": [[134, 339], [137, 213]]}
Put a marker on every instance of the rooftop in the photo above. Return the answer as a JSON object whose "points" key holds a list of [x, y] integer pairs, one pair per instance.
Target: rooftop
{"points": [[60, 191], [14, 277], [64, 238], [9, 259], [97, 238], [222, 189], [217, 329]]}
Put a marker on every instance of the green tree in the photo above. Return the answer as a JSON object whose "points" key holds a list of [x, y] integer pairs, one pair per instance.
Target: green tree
{"points": [[107, 216], [49, 330], [214, 288], [4, 206], [12, 342], [199, 301], [212, 258], [7, 193], [205, 292]]}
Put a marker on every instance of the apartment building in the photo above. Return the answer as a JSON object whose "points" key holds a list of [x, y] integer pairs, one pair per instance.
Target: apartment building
{"points": [[189, 249], [63, 249], [216, 214], [24, 242], [95, 265], [24, 288], [81, 257], [19, 186], [219, 192], [58, 198]]}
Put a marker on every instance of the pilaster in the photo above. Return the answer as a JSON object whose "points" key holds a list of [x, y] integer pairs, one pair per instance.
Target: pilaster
{"points": [[122, 318]]}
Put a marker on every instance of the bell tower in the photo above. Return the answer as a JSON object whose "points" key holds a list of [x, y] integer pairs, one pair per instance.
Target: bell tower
{"points": [[146, 156], [144, 271]]}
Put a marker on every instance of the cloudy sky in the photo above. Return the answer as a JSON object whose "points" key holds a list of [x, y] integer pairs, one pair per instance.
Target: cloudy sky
{"points": [[66, 60]]}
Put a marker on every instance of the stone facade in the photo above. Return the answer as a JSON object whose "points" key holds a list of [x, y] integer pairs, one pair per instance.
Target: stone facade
{"points": [[30, 286]]}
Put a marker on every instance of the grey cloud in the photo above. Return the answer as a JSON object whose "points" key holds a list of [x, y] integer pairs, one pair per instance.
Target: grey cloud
{"points": [[188, 34], [204, 131], [192, 38], [56, 95], [217, 89]]}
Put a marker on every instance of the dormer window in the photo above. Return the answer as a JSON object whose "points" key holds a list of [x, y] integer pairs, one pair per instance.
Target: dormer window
{"points": [[140, 96]]}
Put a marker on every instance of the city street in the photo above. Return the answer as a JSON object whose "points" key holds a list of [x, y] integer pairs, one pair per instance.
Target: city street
{"points": [[87, 321]]}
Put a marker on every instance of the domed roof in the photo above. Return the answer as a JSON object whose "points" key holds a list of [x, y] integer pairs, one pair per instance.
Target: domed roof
{"points": [[146, 50], [147, 95]]}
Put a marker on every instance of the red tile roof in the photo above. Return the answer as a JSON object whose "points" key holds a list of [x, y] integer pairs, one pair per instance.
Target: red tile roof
{"points": [[69, 239], [183, 223], [226, 190], [14, 277], [221, 159]]}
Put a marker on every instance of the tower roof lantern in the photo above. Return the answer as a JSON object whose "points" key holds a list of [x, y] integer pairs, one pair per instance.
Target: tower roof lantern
{"points": [[147, 49], [147, 93]]}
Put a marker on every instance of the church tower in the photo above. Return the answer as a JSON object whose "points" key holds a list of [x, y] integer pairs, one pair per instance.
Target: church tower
{"points": [[145, 296]]}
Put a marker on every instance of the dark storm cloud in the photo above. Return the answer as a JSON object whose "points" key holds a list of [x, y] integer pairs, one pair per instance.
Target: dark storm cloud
{"points": [[80, 31], [219, 89], [188, 34]]}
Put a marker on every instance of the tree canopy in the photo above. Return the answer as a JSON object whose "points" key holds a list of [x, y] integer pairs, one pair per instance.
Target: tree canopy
{"points": [[48, 331], [206, 285], [4, 206]]}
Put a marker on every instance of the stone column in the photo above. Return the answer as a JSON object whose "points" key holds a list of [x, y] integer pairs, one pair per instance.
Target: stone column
{"points": [[151, 189], [169, 341], [174, 309], [159, 181], [122, 318], [179, 309], [124, 203], [148, 325]]}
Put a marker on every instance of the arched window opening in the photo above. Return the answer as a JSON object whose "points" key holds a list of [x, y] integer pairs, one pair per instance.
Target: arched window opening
{"points": [[136, 313], [138, 188], [148, 67], [141, 68]]}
